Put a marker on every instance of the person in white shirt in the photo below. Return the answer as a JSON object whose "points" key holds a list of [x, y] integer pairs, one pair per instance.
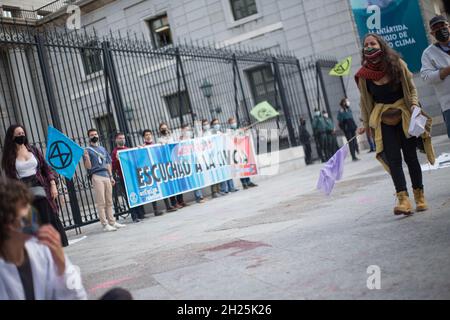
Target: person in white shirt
{"points": [[436, 65], [33, 265]]}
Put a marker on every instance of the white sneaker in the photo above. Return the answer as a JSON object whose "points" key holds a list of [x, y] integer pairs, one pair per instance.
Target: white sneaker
{"points": [[109, 228], [118, 225]]}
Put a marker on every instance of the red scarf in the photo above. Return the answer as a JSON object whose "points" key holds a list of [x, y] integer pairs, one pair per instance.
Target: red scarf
{"points": [[370, 70]]}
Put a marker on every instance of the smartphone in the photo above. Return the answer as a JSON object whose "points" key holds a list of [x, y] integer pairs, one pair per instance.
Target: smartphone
{"points": [[30, 224]]}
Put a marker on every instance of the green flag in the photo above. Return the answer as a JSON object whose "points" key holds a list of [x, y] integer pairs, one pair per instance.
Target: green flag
{"points": [[263, 111], [342, 68]]}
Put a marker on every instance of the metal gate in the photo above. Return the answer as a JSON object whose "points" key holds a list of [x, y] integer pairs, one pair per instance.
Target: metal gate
{"points": [[75, 81]]}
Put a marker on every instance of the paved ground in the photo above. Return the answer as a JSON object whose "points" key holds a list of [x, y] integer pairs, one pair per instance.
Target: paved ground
{"points": [[282, 240]]}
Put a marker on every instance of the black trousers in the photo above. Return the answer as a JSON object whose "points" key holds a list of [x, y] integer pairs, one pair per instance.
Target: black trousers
{"points": [[394, 141], [47, 216], [352, 145], [308, 152], [136, 212]]}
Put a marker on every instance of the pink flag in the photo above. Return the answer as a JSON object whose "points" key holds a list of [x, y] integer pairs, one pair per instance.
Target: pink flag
{"points": [[332, 170]]}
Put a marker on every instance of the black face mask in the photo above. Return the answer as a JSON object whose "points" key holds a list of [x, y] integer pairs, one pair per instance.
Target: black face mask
{"points": [[94, 139], [21, 140], [164, 131], [442, 35]]}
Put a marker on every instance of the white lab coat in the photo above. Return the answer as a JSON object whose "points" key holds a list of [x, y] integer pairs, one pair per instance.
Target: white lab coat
{"points": [[434, 59], [48, 285]]}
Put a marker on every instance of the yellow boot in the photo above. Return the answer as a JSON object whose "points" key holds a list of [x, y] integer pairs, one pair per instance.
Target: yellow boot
{"points": [[421, 203], [404, 205]]}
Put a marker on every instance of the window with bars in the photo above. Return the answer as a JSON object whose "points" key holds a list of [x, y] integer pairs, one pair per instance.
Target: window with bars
{"points": [[91, 55], [107, 129], [172, 103], [160, 31], [262, 85], [243, 8], [11, 12]]}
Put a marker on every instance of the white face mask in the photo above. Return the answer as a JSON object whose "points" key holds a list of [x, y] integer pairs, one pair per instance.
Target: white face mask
{"points": [[325, 115], [347, 103], [317, 113]]}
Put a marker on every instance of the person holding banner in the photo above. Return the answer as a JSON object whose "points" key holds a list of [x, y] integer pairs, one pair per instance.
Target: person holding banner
{"points": [[98, 163], [147, 134], [186, 134], [388, 97], [166, 137], [348, 126], [137, 213], [206, 132], [226, 186], [234, 130], [26, 163]]}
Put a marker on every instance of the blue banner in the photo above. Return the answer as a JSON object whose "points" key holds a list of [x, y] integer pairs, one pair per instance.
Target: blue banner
{"points": [[160, 171], [62, 153], [398, 21]]}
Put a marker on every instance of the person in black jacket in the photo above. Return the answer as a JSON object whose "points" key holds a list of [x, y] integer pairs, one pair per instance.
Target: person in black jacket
{"points": [[305, 141]]}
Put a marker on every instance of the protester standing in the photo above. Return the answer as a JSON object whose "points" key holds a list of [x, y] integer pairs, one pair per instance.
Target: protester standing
{"points": [[319, 130], [388, 96], [98, 163], [166, 137], [436, 65], [186, 134], [236, 131], [305, 141], [348, 126], [21, 161], [332, 144], [147, 134], [137, 213], [225, 186]]}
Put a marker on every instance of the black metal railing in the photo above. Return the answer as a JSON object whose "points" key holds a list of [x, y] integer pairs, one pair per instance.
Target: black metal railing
{"points": [[77, 80]]}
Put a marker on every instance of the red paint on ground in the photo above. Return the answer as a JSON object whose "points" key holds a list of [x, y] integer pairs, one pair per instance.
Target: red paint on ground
{"points": [[108, 284], [242, 245]]}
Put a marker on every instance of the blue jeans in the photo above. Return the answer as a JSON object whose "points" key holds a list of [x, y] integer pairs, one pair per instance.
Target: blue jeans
{"points": [[227, 186], [446, 115], [198, 194]]}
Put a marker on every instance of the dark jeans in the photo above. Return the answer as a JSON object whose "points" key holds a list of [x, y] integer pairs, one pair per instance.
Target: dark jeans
{"points": [[47, 216], [352, 145], [321, 144], [446, 115], [308, 152], [136, 212], [394, 140], [371, 142], [245, 181], [176, 199]]}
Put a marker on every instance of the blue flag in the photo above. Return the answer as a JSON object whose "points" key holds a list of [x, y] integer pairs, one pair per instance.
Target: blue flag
{"points": [[62, 153]]}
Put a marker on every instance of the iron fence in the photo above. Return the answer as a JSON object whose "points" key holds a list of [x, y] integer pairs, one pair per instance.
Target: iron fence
{"points": [[74, 81]]}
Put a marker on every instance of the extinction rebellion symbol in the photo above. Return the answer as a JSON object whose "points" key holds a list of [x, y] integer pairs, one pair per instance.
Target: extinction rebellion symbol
{"points": [[60, 155]]}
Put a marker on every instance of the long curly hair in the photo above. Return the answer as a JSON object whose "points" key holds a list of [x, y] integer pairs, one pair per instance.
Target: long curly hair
{"points": [[13, 195], [10, 151], [391, 58]]}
